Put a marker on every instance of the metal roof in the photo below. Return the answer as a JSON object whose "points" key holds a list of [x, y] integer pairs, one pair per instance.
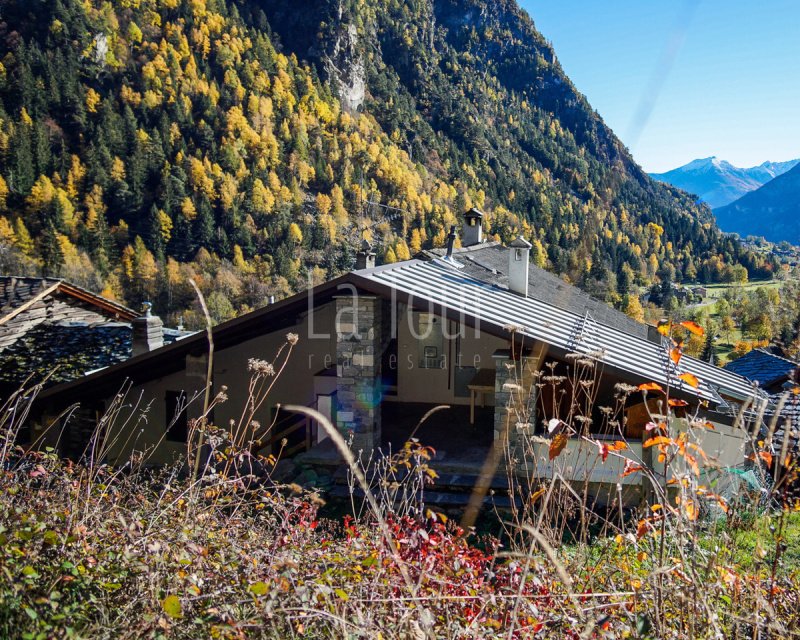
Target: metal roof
{"points": [[488, 262], [439, 284]]}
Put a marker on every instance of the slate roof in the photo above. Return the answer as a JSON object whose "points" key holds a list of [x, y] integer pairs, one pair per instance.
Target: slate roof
{"points": [[16, 292], [67, 351], [442, 285], [489, 262], [759, 365]]}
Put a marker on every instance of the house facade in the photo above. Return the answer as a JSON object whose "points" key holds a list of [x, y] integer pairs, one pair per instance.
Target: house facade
{"points": [[475, 330]]}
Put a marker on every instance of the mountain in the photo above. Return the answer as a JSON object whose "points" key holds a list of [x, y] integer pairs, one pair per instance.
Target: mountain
{"points": [[248, 145], [717, 182], [772, 211]]}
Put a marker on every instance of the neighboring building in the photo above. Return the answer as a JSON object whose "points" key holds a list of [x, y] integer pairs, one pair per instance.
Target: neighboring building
{"points": [[55, 331], [380, 346], [682, 295], [777, 376]]}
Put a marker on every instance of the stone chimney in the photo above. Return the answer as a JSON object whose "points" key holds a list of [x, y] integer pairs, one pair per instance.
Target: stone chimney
{"points": [[518, 259], [365, 258], [148, 332], [472, 232]]}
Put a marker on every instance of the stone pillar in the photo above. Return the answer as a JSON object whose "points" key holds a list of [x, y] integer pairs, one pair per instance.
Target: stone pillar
{"points": [[514, 396], [359, 338], [148, 332]]}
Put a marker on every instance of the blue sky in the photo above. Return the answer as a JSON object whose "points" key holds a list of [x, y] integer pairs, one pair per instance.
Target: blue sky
{"points": [[683, 79]]}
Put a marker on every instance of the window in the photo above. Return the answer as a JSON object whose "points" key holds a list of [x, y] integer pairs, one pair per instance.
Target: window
{"points": [[176, 418]]}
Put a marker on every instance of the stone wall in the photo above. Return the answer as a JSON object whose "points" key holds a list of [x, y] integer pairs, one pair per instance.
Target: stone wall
{"points": [[360, 337], [514, 397]]}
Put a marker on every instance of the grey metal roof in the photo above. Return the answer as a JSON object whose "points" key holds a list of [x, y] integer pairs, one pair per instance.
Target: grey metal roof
{"points": [[437, 283], [488, 262]]}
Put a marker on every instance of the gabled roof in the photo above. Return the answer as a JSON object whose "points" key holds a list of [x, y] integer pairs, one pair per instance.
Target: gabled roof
{"points": [[443, 287], [19, 294], [759, 365], [172, 357], [488, 262], [453, 293]]}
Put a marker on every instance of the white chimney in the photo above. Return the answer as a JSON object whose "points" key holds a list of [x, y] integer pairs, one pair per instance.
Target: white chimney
{"points": [[472, 232], [148, 332], [518, 259]]}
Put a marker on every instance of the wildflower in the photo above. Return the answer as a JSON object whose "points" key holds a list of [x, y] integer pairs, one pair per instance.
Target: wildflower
{"points": [[292, 338], [261, 367]]}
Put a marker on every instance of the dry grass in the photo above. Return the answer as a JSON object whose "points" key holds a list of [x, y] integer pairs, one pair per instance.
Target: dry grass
{"points": [[92, 551]]}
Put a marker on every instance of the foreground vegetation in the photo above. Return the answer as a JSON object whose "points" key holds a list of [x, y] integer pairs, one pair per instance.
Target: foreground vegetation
{"points": [[91, 551]]}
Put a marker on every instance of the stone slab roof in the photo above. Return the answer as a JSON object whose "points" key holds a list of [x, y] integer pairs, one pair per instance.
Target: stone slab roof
{"points": [[759, 365], [67, 351]]}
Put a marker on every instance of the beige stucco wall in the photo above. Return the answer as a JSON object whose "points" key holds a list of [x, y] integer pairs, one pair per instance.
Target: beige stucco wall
{"points": [[580, 461], [146, 407], [416, 384], [723, 446]]}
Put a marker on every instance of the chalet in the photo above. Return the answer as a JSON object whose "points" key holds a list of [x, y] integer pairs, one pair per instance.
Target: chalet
{"points": [[380, 346]]}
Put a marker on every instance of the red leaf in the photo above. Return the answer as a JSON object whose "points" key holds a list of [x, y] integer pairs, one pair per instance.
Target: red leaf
{"points": [[605, 449], [674, 402], [675, 355], [631, 467], [766, 456]]}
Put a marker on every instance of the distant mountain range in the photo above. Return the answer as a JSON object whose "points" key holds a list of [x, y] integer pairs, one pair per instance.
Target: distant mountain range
{"points": [[718, 183], [772, 211]]}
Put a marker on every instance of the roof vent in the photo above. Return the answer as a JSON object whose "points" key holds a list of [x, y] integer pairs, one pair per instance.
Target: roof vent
{"points": [[472, 232], [451, 242], [518, 260], [148, 332], [365, 258]]}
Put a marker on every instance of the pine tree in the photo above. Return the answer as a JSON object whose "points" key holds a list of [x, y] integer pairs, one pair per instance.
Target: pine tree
{"points": [[155, 233], [50, 250]]}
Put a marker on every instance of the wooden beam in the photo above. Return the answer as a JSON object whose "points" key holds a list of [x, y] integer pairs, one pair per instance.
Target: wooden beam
{"points": [[23, 307], [119, 311]]}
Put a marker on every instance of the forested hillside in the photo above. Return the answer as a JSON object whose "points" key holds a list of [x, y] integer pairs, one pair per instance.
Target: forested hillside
{"points": [[249, 145]]}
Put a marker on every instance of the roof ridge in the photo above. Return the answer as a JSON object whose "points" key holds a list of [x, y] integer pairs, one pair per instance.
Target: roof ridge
{"points": [[775, 355]]}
